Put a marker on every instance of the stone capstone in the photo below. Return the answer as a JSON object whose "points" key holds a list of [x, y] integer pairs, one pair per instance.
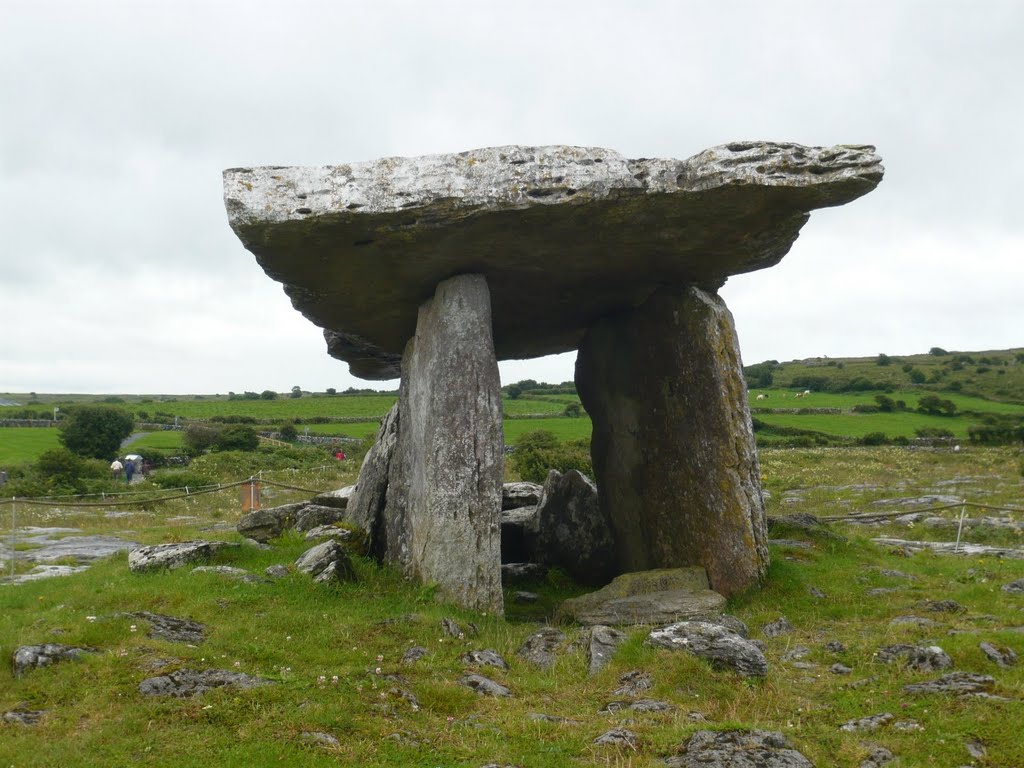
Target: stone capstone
{"points": [[358, 247], [707, 510], [722, 647], [572, 531], [647, 597], [185, 683], [29, 657], [171, 556], [738, 749]]}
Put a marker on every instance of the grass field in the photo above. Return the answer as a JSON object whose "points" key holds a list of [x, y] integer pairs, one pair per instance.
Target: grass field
{"points": [[21, 444], [899, 424], [168, 440], [334, 652], [781, 398]]}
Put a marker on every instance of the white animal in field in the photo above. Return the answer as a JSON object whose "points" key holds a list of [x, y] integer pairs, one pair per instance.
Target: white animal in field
{"points": [[807, 392], [760, 397]]}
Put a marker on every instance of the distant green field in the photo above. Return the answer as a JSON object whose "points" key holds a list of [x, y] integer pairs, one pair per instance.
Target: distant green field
{"points": [[358, 429], [900, 424], [564, 429], [166, 440], [281, 409], [781, 398], [23, 444]]}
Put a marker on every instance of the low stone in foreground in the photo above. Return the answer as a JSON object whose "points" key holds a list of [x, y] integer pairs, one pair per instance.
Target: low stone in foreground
{"points": [[185, 683], [722, 647], [29, 657], [171, 556], [738, 749]]}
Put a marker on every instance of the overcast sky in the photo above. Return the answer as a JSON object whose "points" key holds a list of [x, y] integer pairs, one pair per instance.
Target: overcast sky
{"points": [[119, 273]]}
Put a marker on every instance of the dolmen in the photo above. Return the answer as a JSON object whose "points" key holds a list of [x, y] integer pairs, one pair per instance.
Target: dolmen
{"points": [[433, 268]]}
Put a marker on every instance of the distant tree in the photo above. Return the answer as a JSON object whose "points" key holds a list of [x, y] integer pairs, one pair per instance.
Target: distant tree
{"points": [[937, 351], [936, 406], [288, 432], [95, 431], [883, 359], [296, 391], [332, 391], [513, 391], [573, 410], [237, 437], [885, 403], [200, 437], [268, 394], [917, 376]]}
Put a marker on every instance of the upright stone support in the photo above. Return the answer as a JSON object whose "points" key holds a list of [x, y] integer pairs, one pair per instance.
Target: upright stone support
{"points": [[445, 479], [673, 445]]}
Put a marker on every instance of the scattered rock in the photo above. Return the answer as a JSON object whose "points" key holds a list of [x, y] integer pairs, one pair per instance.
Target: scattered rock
{"points": [[959, 683], [40, 572], [277, 571], [331, 532], [617, 737], [777, 628], [171, 628], [262, 525], [602, 643], [237, 574], [326, 563], [1004, 657], [944, 606], [840, 669], [520, 494], [338, 499], [835, 646], [515, 573], [894, 574], [634, 684], [640, 705], [319, 739], [817, 593], [796, 653], [484, 686], [918, 658], [907, 726], [1014, 587], [29, 657], [23, 716], [525, 598], [449, 627], [870, 723], [311, 516], [646, 597], [878, 757], [976, 749], [918, 621], [551, 719], [722, 647], [879, 591], [485, 658], [540, 647], [185, 683], [171, 556], [414, 654], [738, 749]]}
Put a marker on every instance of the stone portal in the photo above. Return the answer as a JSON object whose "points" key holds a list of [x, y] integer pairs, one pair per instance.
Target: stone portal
{"points": [[573, 247]]}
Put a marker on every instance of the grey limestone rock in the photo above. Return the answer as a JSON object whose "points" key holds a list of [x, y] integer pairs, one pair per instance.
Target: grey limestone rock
{"points": [[708, 509], [780, 626], [602, 642], [738, 749], [485, 686], [525, 598], [617, 737], [918, 658], [23, 716], [720, 646], [1014, 587], [171, 556], [484, 658], [236, 574], [319, 739], [29, 657], [1004, 657], [541, 647], [646, 597], [840, 669], [262, 525], [368, 501], [414, 654], [870, 723], [338, 498], [359, 246], [313, 516], [276, 571], [171, 628], [572, 530], [330, 532], [513, 573], [326, 562], [959, 683], [634, 683], [520, 494], [185, 683], [640, 705], [878, 757]]}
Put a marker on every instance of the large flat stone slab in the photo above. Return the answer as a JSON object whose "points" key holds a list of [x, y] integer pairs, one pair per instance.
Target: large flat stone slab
{"points": [[563, 235]]}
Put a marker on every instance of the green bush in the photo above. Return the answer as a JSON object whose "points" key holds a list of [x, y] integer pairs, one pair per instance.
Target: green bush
{"points": [[95, 431], [936, 406], [873, 438], [917, 376], [539, 451]]}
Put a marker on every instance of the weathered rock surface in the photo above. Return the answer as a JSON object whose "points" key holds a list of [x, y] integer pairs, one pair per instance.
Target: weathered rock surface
{"points": [[780, 626], [617, 737], [634, 683], [601, 643], [484, 686], [707, 509], [185, 683], [360, 246], [959, 683], [573, 532], [29, 657], [520, 494], [919, 658], [326, 563], [541, 648], [171, 556], [513, 573], [23, 716], [870, 723], [171, 628], [338, 498], [445, 479], [484, 658], [1014, 587], [738, 749], [1002, 656], [640, 705], [230, 572], [722, 647], [49, 546], [366, 505], [647, 597], [262, 525]]}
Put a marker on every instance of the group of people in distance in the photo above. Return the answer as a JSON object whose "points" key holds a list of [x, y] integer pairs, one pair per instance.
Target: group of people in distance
{"points": [[128, 468]]}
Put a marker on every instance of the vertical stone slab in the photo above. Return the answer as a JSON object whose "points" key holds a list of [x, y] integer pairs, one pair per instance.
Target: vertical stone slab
{"points": [[366, 506], [450, 458], [673, 445]]}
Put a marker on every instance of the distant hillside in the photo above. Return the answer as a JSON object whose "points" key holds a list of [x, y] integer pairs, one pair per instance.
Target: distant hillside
{"points": [[996, 375]]}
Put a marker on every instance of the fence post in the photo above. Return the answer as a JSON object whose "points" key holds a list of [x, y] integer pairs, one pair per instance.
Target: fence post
{"points": [[960, 528]]}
